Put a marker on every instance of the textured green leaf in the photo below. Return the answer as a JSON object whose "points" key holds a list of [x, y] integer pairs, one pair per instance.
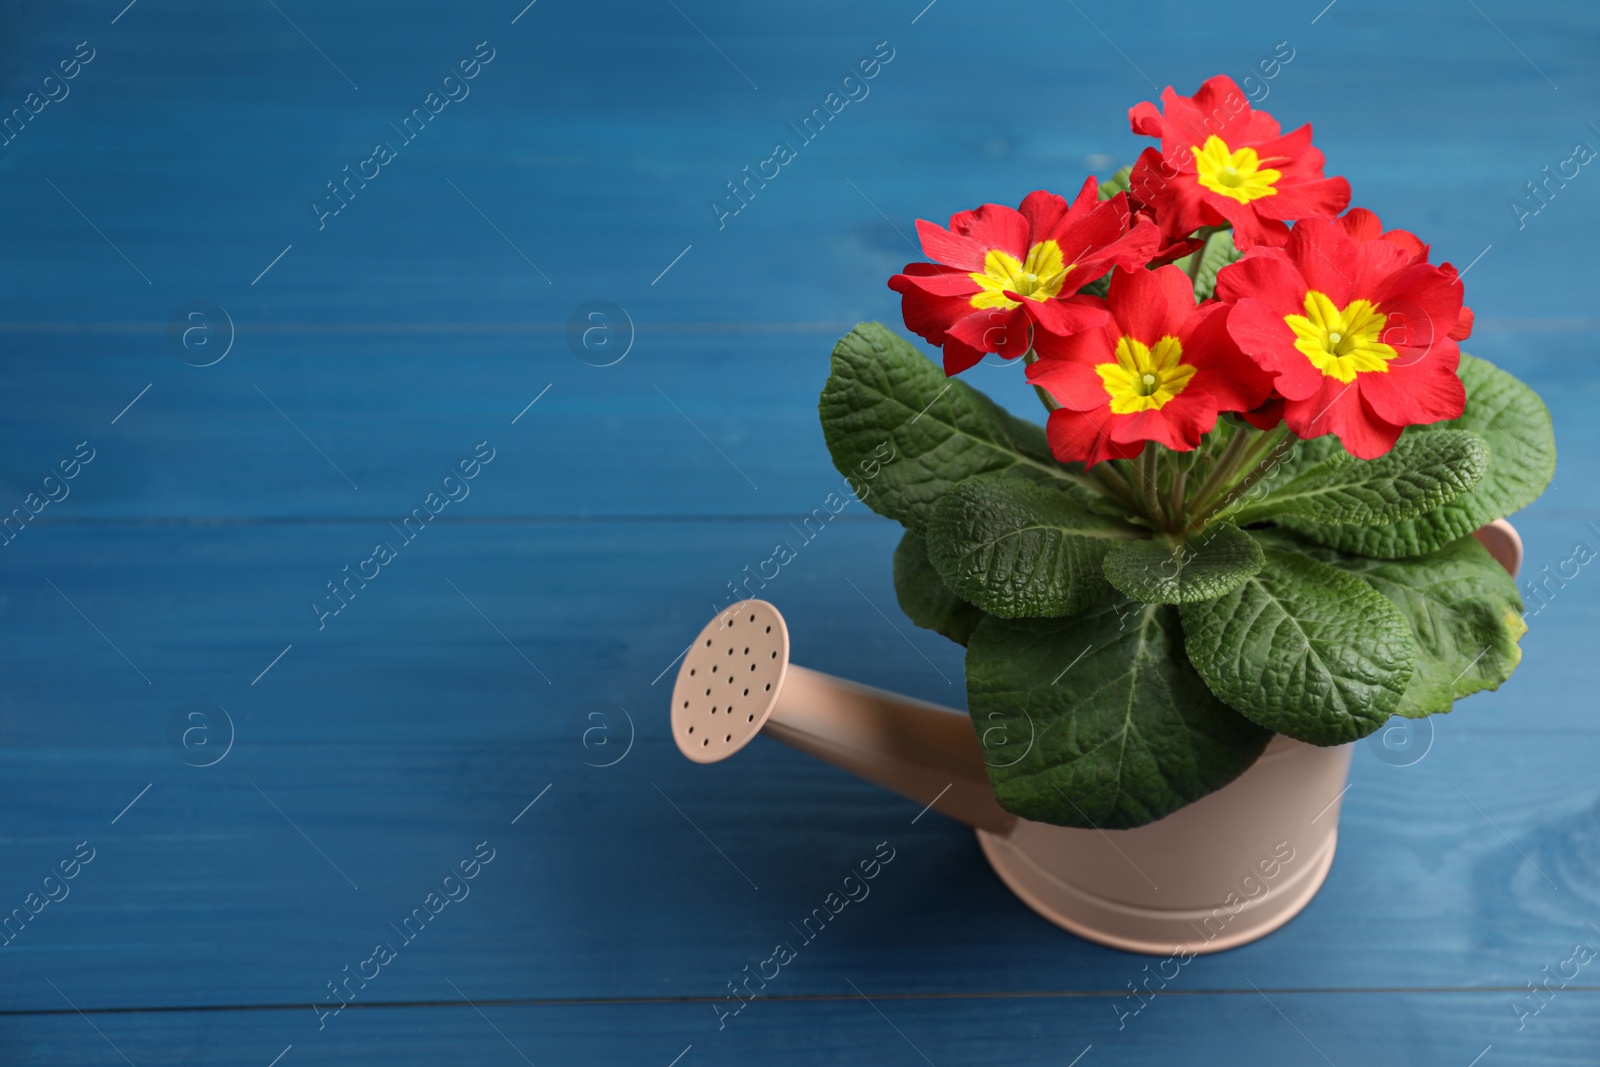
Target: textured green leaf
{"points": [[1204, 567], [1098, 720], [1020, 550], [1417, 475], [924, 597], [1216, 253], [1304, 649], [904, 434], [1522, 459], [1464, 612]]}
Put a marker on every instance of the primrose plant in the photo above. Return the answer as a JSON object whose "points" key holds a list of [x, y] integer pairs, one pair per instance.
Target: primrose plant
{"points": [[1251, 510]]}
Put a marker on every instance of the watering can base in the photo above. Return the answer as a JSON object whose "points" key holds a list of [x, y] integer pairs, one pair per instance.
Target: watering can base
{"points": [[1152, 931]]}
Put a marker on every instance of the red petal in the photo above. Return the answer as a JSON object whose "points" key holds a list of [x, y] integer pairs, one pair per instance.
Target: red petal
{"points": [[927, 315], [1151, 304], [1408, 242], [1325, 257], [993, 226], [1267, 416], [1094, 345], [1234, 380], [1132, 251], [1266, 338], [1291, 155], [1375, 263], [1079, 437], [1043, 210], [1338, 409], [1089, 197], [1067, 317], [1221, 100], [1145, 118], [1361, 224], [1423, 305], [1217, 107], [1074, 383], [1321, 198], [1178, 424], [1416, 393], [1251, 228], [945, 247], [1007, 332], [1265, 274], [1173, 195], [1175, 251], [1182, 124], [934, 280], [958, 357], [1083, 233], [1463, 328]]}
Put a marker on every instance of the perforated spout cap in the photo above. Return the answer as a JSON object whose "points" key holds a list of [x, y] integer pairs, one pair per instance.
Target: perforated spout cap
{"points": [[729, 681]]}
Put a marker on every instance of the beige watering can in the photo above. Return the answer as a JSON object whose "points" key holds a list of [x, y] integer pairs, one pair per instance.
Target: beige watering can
{"points": [[1223, 871]]}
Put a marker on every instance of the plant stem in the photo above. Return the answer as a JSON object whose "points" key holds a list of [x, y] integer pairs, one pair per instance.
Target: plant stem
{"points": [[1148, 482], [1029, 358], [1223, 468], [1113, 480], [1265, 443], [1266, 455], [1180, 478]]}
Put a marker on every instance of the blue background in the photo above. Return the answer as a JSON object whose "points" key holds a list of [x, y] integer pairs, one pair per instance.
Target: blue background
{"points": [[520, 641]]}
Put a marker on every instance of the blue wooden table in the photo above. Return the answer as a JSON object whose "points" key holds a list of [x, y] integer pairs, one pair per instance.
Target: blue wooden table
{"points": [[259, 343]]}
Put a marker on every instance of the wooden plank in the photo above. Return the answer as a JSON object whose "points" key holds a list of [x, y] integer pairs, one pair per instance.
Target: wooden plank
{"points": [[1269, 1026]]}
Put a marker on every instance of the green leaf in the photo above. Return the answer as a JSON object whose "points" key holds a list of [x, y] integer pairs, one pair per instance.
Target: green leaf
{"points": [[1098, 720], [924, 597], [1020, 550], [1206, 566], [1304, 649], [1522, 459], [904, 434], [1421, 472], [1117, 183], [1464, 612], [1216, 253]]}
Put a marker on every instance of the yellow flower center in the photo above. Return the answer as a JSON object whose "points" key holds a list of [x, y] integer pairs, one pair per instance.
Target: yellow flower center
{"points": [[1040, 278], [1341, 343], [1239, 175], [1144, 378]]}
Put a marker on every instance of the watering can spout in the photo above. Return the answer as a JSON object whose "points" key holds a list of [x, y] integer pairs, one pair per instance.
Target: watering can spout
{"points": [[736, 681]]}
